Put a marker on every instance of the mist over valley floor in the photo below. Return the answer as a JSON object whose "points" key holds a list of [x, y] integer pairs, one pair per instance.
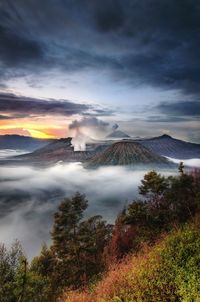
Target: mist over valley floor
{"points": [[29, 196]]}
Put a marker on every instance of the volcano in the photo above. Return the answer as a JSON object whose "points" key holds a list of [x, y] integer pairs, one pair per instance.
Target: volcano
{"points": [[126, 153], [60, 150], [117, 134]]}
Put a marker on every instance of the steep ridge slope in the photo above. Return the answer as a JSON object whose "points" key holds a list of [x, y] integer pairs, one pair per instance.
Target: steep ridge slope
{"points": [[168, 146]]}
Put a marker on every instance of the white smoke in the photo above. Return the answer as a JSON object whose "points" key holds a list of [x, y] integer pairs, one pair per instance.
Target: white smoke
{"points": [[79, 141], [84, 129]]}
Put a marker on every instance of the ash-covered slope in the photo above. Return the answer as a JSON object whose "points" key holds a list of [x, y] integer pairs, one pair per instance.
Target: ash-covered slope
{"points": [[126, 153], [166, 145]]}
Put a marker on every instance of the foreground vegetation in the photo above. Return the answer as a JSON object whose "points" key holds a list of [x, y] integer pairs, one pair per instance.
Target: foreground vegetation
{"points": [[168, 271], [151, 253]]}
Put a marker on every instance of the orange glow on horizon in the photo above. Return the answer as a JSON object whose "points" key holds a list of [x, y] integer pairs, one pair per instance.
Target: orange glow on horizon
{"points": [[45, 128], [39, 134], [34, 129]]}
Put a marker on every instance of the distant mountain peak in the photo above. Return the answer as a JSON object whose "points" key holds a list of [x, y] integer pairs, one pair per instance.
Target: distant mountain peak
{"points": [[169, 146], [165, 136], [117, 134]]}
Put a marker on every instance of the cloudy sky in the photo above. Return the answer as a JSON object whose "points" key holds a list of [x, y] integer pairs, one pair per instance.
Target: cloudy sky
{"points": [[95, 63]]}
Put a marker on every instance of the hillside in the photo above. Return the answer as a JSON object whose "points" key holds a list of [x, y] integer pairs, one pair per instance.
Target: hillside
{"points": [[126, 153], [168, 271], [168, 146], [19, 142]]}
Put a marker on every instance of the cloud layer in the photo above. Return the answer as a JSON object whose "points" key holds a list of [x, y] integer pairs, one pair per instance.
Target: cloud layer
{"points": [[89, 122], [21, 106], [181, 108], [29, 197]]}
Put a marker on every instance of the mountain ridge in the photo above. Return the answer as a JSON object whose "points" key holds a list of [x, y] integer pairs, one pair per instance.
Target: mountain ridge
{"points": [[63, 150], [166, 145], [22, 142]]}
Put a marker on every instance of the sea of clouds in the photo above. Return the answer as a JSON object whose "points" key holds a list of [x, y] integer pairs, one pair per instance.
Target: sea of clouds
{"points": [[29, 196]]}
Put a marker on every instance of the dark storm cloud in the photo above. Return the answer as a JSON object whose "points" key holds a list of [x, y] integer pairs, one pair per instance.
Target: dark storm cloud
{"points": [[173, 112], [10, 103], [180, 109], [91, 122], [16, 49], [21, 106], [109, 15], [142, 42]]}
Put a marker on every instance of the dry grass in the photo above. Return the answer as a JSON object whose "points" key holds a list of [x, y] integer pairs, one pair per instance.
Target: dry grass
{"points": [[155, 275], [117, 285]]}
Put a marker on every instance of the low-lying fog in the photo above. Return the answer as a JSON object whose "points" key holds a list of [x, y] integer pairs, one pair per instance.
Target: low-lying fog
{"points": [[6, 153], [193, 162], [29, 196]]}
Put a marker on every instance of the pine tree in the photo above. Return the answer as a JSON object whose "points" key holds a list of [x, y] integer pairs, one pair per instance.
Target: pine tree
{"points": [[66, 221], [78, 244], [153, 185], [93, 236]]}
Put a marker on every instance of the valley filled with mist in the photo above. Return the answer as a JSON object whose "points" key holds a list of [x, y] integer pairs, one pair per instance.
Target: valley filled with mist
{"points": [[29, 197]]}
